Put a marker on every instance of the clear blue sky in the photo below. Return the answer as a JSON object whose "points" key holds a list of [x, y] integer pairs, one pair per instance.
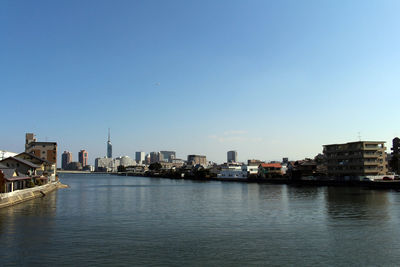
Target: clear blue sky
{"points": [[266, 78]]}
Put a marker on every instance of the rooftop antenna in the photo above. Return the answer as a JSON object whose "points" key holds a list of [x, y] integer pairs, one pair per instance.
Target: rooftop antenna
{"points": [[359, 136], [108, 134]]}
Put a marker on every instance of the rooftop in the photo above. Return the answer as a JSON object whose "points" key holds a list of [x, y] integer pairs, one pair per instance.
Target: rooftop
{"points": [[26, 162], [271, 165]]}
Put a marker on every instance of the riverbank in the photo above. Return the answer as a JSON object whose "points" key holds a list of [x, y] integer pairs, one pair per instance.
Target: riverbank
{"points": [[378, 184], [19, 196]]}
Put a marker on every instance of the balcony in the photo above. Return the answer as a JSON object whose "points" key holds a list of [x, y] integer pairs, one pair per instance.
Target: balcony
{"points": [[372, 155]]}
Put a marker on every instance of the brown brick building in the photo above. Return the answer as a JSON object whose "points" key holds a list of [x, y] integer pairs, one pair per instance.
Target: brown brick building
{"points": [[43, 150]]}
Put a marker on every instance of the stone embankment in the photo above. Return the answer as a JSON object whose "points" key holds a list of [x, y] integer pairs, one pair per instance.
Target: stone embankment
{"points": [[18, 196]]}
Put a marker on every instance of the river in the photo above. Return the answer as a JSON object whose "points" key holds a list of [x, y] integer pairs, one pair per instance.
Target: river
{"points": [[106, 220]]}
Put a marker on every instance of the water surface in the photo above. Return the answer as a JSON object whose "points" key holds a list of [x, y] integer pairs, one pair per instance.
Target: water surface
{"points": [[121, 221]]}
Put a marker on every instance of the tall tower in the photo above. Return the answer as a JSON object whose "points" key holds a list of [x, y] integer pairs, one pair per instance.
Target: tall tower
{"points": [[109, 146], [232, 156]]}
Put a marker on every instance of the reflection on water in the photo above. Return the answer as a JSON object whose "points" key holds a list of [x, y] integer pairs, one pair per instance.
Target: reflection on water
{"points": [[112, 220], [357, 203], [20, 225]]}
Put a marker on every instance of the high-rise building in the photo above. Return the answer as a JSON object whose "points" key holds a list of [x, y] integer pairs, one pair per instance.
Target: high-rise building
{"points": [[147, 159], [394, 162], [167, 156], [83, 157], [66, 158], [232, 156], [140, 157], [109, 146], [356, 159], [155, 157], [43, 150]]}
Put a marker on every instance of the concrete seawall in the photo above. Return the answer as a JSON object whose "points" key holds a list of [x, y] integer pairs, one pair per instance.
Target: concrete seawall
{"points": [[18, 196]]}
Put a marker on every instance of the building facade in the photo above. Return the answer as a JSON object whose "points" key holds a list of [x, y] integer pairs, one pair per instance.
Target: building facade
{"points": [[124, 161], [43, 150], [140, 157], [355, 159], [83, 157], [109, 145], [167, 156], [155, 157], [104, 165], [395, 156], [233, 171], [197, 159], [270, 170], [66, 158], [232, 156]]}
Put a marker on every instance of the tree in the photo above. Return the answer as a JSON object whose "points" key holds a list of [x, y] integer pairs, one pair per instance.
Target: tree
{"points": [[156, 166]]}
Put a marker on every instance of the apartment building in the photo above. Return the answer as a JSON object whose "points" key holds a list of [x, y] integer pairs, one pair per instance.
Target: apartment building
{"points": [[43, 150], [362, 158]]}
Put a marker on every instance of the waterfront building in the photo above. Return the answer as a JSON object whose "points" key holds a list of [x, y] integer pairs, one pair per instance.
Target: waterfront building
{"points": [[83, 157], [138, 169], [252, 170], [22, 166], [356, 159], [6, 154], [167, 156], [394, 162], [232, 156], [89, 168], [140, 157], [66, 158], [43, 150], [11, 180], [301, 169], [104, 165], [109, 146], [270, 170], [233, 171], [74, 166], [46, 168], [197, 159], [170, 165]]}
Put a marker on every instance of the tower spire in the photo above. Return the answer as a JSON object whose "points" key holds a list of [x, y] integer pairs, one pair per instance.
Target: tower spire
{"points": [[109, 146]]}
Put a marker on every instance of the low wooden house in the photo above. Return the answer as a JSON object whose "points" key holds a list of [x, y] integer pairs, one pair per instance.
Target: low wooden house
{"points": [[11, 180]]}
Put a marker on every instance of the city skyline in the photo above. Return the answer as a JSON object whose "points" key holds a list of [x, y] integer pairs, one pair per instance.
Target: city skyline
{"points": [[267, 79]]}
